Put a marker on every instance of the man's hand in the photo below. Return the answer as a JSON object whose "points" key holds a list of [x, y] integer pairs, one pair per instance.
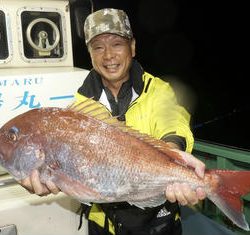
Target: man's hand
{"points": [[181, 192], [34, 185]]}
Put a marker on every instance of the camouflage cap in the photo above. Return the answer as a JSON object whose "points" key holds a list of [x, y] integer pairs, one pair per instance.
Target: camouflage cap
{"points": [[107, 20]]}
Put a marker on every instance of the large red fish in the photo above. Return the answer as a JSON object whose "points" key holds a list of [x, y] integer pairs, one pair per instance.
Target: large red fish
{"points": [[93, 158]]}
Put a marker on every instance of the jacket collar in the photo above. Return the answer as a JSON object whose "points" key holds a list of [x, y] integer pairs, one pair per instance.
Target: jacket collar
{"points": [[93, 87]]}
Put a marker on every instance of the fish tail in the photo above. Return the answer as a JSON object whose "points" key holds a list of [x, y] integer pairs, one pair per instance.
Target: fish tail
{"points": [[231, 185]]}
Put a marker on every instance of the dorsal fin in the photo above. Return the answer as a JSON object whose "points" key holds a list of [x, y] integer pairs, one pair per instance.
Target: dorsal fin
{"points": [[92, 108], [95, 109]]}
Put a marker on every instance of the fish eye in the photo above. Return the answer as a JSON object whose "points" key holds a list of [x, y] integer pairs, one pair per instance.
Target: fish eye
{"points": [[13, 133]]}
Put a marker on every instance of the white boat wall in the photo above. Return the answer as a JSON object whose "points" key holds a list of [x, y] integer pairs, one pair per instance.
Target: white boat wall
{"points": [[34, 215], [36, 70]]}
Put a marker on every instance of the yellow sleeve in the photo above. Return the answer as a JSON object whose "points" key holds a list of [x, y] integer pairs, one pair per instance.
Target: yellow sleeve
{"points": [[169, 118]]}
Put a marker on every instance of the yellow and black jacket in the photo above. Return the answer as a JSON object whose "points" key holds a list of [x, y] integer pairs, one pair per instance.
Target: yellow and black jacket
{"points": [[145, 103]]}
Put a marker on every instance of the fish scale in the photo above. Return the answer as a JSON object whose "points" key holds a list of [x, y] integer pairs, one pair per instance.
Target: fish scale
{"points": [[93, 157]]}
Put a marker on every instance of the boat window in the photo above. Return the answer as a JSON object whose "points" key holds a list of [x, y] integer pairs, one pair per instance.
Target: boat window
{"points": [[4, 39], [42, 35]]}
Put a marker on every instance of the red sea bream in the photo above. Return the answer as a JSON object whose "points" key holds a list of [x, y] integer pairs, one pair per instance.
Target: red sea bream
{"points": [[93, 158]]}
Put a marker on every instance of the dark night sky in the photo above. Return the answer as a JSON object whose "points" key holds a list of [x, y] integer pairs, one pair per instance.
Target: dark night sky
{"points": [[202, 45]]}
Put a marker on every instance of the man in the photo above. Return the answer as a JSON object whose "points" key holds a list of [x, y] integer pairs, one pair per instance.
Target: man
{"points": [[145, 103]]}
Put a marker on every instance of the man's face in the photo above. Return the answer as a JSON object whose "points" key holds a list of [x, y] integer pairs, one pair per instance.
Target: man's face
{"points": [[111, 56]]}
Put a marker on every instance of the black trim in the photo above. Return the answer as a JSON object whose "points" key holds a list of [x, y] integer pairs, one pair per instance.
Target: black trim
{"points": [[147, 86], [136, 73], [84, 211], [92, 86], [179, 140]]}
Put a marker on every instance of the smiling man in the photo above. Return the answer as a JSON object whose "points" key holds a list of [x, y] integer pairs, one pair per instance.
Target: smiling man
{"points": [[143, 101]]}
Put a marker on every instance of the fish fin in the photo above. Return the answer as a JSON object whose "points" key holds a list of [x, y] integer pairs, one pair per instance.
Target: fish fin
{"points": [[162, 146], [91, 108], [227, 195], [97, 110], [172, 154], [151, 202]]}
